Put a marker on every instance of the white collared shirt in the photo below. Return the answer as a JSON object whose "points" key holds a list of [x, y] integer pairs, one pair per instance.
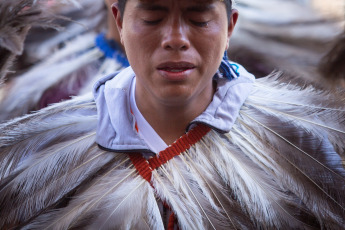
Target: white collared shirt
{"points": [[145, 130]]}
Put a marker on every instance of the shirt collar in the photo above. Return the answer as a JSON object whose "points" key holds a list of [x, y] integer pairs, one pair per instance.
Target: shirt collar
{"points": [[116, 125]]}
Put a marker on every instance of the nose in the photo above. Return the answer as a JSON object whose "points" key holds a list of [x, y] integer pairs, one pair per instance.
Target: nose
{"points": [[175, 37]]}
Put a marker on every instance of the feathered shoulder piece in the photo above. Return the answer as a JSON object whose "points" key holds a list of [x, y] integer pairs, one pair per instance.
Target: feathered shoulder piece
{"points": [[22, 137], [316, 112], [280, 167], [298, 132]]}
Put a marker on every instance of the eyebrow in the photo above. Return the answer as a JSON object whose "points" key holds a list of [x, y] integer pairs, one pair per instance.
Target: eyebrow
{"points": [[201, 8]]}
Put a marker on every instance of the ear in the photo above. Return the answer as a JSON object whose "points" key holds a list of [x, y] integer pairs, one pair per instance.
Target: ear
{"points": [[232, 24], [118, 19]]}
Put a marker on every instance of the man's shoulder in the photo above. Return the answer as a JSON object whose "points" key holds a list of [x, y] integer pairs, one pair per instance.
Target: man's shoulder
{"points": [[301, 115]]}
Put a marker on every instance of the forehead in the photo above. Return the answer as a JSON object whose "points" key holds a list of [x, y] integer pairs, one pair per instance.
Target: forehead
{"points": [[179, 2]]}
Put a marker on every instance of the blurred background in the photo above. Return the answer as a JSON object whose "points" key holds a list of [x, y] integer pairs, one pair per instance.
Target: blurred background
{"points": [[288, 35]]}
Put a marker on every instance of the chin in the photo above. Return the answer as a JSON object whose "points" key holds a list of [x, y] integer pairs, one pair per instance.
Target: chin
{"points": [[174, 97]]}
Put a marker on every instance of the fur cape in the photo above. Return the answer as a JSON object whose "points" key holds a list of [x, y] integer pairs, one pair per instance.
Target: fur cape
{"points": [[280, 167]]}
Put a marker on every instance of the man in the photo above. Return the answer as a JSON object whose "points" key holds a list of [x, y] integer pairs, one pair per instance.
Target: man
{"points": [[181, 143]]}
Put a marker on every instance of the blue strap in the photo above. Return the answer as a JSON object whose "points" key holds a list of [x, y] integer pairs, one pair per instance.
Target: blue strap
{"points": [[227, 69], [111, 49]]}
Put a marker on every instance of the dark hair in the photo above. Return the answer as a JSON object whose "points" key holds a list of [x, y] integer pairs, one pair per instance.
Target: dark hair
{"points": [[228, 5]]}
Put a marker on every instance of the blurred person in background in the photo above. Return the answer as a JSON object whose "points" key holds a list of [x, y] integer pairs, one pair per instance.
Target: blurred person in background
{"points": [[57, 73], [16, 19], [285, 35]]}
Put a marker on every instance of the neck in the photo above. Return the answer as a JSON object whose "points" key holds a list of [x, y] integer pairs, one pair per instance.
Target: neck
{"points": [[170, 122]]}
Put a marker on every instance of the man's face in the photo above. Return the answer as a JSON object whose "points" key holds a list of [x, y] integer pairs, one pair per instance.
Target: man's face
{"points": [[175, 46]]}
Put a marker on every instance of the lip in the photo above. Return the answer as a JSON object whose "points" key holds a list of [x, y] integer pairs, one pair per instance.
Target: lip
{"points": [[175, 71]]}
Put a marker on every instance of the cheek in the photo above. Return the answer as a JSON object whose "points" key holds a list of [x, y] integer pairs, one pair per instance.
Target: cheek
{"points": [[211, 50], [136, 49], [219, 33], [212, 42], [139, 41]]}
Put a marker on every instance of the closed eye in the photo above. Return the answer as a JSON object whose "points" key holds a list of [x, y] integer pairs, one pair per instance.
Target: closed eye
{"points": [[152, 22], [200, 24]]}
